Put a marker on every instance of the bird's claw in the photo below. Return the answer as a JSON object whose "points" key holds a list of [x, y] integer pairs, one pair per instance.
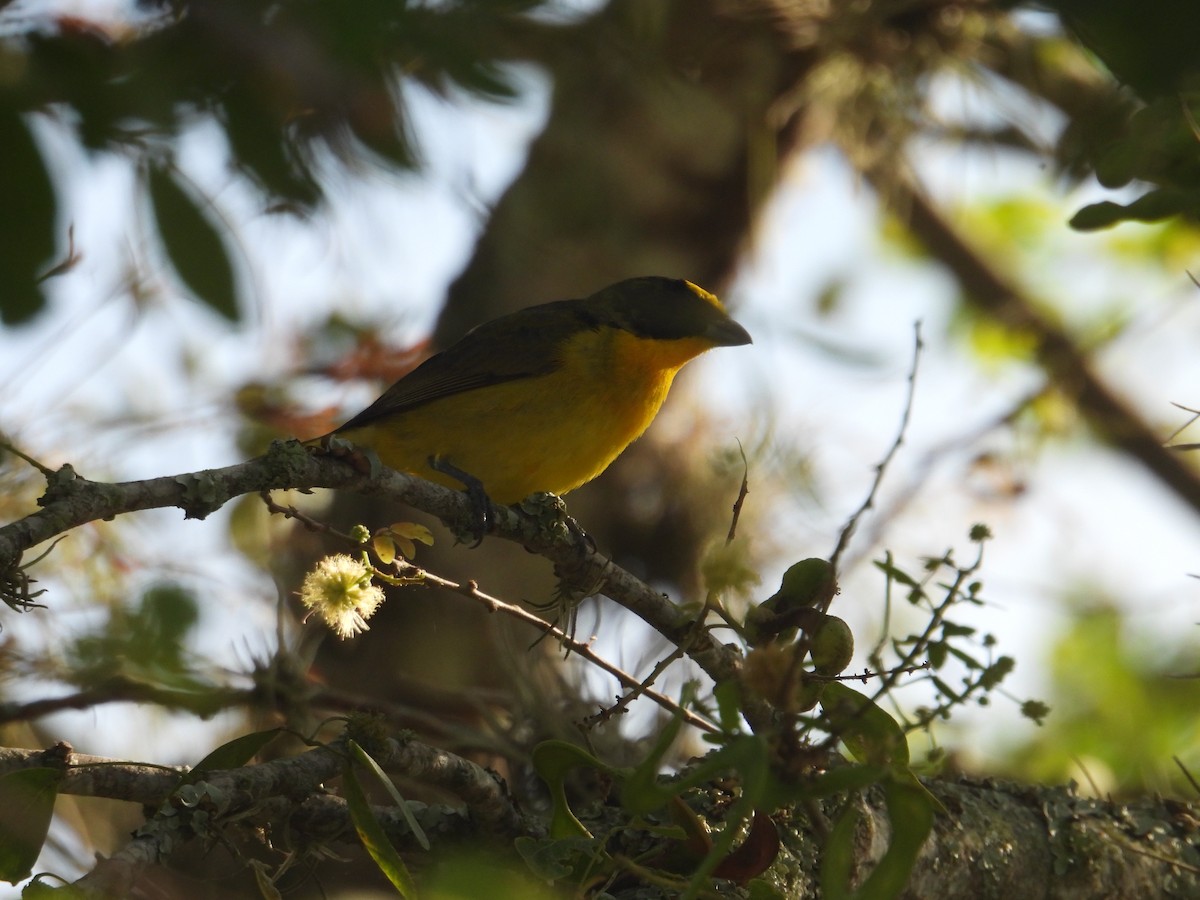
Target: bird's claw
{"points": [[483, 513]]}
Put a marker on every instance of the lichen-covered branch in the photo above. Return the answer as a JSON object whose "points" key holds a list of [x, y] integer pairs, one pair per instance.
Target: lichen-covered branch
{"points": [[71, 501]]}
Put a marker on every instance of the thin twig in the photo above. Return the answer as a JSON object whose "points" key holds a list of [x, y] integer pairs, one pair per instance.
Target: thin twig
{"points": [[622, 703], [471, 591], [881, 467], [741, 497]]}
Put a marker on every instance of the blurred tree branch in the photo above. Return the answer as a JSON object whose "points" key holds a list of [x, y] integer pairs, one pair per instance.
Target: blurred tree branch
{"points": [[1112, 419]]}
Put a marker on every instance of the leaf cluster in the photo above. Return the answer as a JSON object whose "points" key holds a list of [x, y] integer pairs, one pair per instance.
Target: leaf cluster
{"points": [[1151, 50], [287, 83]]}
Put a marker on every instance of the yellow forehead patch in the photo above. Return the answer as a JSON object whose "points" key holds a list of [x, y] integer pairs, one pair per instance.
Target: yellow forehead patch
{"points": [[705, 295]]}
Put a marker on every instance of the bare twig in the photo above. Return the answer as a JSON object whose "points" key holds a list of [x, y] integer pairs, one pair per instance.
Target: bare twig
{"points": [[741, 497], [640, 689], [1057, 353], [881, 467], [471, 591]]}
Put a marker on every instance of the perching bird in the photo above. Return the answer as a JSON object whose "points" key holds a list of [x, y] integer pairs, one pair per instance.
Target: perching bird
{"points": [[545, 398]]}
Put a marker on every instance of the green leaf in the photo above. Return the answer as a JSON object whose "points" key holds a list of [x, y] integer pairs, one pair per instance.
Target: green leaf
{"points": [[262, 881], [910, 809], [232, 754], [1095, 216], [27, 224], [147, 644], [193, 242], [42, 890], [945, 690], [966, 659], [895, 574], [749, 756], [369, 762], [373, 837], [936, 654], [869, 733], [1150, 207], [552, 760], [729, 706], [1035, 710], [839, 780], [838, 858], [952, 629], [26, 807], [642, 792], [997, 672], [553, 859]]}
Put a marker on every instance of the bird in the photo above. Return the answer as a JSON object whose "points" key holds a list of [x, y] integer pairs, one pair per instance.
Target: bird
{"points": [[542, 400]]}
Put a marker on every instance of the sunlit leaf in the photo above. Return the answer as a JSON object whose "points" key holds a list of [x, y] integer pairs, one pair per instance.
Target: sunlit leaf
{"points": [[869, 733], [384, 547], [368, 761], [374, 839], [235, 753]]}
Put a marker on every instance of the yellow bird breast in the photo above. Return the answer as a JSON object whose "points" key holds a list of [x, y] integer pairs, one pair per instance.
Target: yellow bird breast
{"points": [[553, 432]]}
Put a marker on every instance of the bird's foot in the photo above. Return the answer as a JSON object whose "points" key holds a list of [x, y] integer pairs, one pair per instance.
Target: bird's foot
{"points": [[482, 512]]}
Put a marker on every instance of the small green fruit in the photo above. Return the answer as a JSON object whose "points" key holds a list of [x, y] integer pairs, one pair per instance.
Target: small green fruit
{"points": [[832, 646], [806, 584], [809, 582]]}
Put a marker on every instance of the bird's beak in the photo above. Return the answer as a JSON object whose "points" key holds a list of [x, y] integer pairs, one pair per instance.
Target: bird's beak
{"points": [[727, 333]]}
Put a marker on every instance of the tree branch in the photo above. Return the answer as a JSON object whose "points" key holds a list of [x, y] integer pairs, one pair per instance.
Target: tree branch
{"points": [[71, 501], [984, 287]]}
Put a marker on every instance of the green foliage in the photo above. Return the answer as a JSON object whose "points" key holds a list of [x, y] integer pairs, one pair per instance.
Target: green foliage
{"points": [[26, 807], [27, 225], [1158, 145], [944, 644], [467, 875], [192, 240], [288, 83], [364, 759], [1107, 684], [234, 753], [373, 837], [144, 644], [553, 761], [672, 811], [1149, 46]]}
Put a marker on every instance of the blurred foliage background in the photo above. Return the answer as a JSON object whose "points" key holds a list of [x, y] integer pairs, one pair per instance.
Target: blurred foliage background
{"points": [[235, 137]]}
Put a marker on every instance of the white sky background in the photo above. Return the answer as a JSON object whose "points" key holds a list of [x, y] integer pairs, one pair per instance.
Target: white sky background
{"points": [[393, 242]]}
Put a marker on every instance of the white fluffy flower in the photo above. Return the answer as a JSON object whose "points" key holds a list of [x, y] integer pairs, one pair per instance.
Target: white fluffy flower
{"points": [[340, 591]]}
